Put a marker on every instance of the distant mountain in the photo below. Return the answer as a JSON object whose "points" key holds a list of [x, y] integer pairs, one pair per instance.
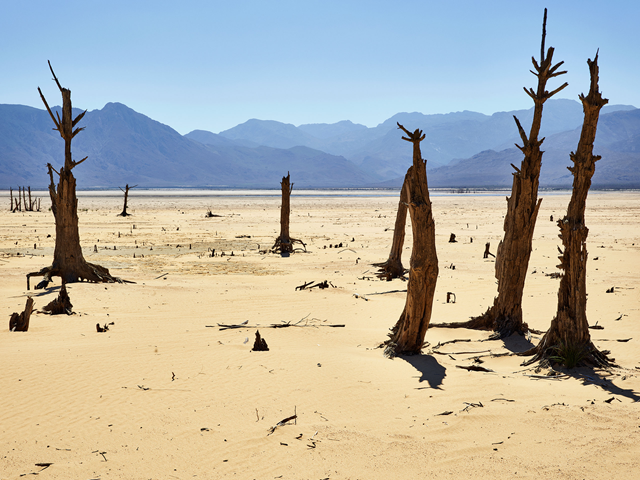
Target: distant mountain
{"points": [[124, 146], [381, 151], [617, 141], [463, 149]]}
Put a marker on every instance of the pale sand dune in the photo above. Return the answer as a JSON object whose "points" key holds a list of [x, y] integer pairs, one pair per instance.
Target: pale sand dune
{"points": [[107, 406]]}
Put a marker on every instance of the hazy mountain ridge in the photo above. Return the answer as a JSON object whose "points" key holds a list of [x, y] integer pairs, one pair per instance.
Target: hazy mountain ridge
{"points": [[125, 146]]}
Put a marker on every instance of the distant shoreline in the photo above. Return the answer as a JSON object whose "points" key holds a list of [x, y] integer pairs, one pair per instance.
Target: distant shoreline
{"points": [[304, 192]]}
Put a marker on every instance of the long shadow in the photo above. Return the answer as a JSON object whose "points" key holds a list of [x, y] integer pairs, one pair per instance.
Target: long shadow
{"points": [[38, 293], [589, 376], [517, 343], [432, 372]]}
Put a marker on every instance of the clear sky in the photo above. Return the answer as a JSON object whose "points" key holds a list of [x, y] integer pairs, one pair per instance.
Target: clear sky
{"points": [[211, 65]]}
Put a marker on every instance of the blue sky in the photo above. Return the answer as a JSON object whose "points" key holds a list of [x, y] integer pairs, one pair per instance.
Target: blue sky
{"points": [[211, 65]]}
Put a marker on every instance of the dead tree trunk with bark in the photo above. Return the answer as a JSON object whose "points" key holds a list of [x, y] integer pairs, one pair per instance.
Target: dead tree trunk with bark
{"points": [[512, 257], [126, 198], [68, 261], [393, 267], [284, 243], [407, 336], [568, 340]]}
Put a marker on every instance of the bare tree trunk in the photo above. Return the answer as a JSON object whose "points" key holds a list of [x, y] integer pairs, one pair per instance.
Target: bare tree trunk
{"points": [[11, 199], [284, 243], [393, 268], [126, 197], [512, 257], [568, 340], [407, 336], [68, 261]]}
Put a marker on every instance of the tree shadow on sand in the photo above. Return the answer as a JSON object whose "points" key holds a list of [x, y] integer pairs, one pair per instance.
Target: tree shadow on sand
{"points": [[517, 343], [590, 376], [432, 372]]}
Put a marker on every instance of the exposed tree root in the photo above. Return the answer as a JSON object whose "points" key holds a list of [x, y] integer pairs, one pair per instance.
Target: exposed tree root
{"points": [[390, 269], [488, 321], [286, 245], [87, 272], [568, 355]]}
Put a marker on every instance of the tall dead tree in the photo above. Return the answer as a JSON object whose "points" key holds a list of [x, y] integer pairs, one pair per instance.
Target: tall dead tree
{"points": [[284, 243], [407, 336], [393, 267], [126, 198], [568, 339], [68, 261], [512, 258]]}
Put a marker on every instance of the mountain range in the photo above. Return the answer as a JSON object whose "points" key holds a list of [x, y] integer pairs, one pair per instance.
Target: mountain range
{"points": [[463, 149]]}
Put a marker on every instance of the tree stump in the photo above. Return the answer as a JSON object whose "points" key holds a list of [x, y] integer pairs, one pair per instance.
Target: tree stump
{"points": [[62, 304], [487, 252], [407, 336], [393, 267], [19, 322], [260, 344]]}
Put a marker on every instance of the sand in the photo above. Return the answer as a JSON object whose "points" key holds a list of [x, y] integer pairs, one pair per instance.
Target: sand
{"points": [[165, 393]]}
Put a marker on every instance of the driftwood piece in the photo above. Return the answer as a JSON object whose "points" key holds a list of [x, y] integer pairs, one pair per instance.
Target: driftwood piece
{"points": [[19, 322], [260, 344], [61, 304]]}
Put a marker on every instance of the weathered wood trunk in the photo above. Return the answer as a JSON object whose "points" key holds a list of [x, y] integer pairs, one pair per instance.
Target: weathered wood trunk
{"points": [[126, 198], [19, 322], [393, 267], [284, 243], [68, 261], [568, 340], [512, 257], [61, 304], [407, 336]]}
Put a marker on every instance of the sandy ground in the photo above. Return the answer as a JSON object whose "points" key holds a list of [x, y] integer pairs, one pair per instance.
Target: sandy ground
{"points": [[165, 393]]}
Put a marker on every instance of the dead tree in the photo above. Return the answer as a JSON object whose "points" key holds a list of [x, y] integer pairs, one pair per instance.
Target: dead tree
{"points": [[19, 322], [568, 340], [126, 198], [284, 243], [68, 261], [393, 268], [512, 257], [407, 336]]}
